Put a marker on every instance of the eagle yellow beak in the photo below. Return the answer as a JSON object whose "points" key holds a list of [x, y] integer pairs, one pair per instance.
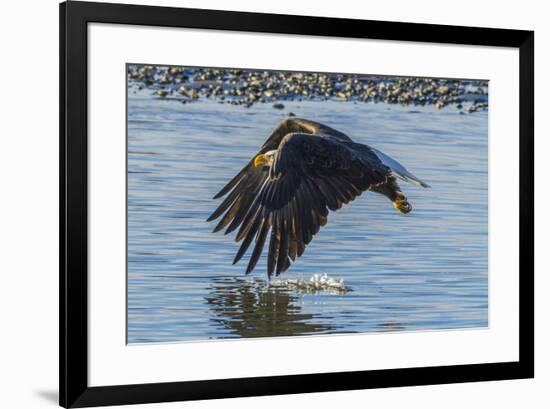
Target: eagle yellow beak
{"points": [[260, 160]]}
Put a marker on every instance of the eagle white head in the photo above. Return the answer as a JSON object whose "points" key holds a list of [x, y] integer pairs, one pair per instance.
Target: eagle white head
{"points": [[265, 159]]}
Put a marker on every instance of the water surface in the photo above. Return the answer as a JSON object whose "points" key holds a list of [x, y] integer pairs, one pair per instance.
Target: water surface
{"points": [[422, 271]]}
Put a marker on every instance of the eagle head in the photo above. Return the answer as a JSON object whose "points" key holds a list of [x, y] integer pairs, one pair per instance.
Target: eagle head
{"points": [[265, 159]]}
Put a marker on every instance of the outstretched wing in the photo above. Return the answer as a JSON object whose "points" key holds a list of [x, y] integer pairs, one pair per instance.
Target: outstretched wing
{"points": [[310, 175], [247, 183]]}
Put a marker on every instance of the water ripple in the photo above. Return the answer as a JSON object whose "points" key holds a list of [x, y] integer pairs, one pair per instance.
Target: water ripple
{"points": [[425, 270]]}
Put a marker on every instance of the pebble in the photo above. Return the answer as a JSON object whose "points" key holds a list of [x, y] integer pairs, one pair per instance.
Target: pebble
{"points": [[249, 87]]}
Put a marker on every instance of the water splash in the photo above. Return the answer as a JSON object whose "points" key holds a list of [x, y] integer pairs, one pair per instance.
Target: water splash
{"points": [[317, 283]]}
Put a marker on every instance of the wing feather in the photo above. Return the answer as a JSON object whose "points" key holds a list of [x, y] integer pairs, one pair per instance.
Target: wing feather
{"points": [[398, 169], [273, 252], [252, 231], [283, 243], [260, 241]]}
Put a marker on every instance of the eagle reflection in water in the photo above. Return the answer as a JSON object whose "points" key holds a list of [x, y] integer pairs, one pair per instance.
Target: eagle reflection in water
{"points": [[248, 308]]}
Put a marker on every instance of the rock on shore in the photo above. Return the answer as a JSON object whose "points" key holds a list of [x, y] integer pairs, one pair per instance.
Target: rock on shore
{"points": [[248, 87]]}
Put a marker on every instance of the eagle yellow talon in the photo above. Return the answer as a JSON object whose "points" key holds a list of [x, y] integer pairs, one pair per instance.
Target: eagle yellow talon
{"points": [[401, 203]]}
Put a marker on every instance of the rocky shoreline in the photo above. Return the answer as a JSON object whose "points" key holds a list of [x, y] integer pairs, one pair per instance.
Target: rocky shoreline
{"points": [[248, 87]]}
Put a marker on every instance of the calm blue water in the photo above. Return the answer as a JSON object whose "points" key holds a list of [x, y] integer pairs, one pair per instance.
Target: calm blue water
{"points": [[424, 270]]}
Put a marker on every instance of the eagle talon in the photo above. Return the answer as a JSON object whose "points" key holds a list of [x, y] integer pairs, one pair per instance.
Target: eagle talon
{"points": [[402, 205]]}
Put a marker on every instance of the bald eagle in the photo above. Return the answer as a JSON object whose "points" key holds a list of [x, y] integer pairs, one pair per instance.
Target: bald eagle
{"points": [[303, 170]]}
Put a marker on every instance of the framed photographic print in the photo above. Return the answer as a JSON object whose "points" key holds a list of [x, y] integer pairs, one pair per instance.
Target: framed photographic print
{"points": [[256, 204]]}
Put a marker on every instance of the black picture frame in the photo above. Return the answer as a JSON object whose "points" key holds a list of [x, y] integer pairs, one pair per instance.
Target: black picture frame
{"points": [[73, 240]]}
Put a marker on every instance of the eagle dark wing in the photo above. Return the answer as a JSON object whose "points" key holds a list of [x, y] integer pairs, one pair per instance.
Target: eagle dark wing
{"points": [[247, 183], [310, 175]]}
